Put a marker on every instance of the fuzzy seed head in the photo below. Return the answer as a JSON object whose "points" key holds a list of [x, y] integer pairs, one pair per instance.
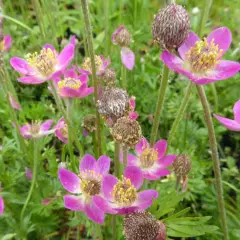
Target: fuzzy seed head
{"points": [[109, 77], [127, 131], [89, 123], [113, 103], [171, 26], [143, 226], [123, 38], [182, 165]]}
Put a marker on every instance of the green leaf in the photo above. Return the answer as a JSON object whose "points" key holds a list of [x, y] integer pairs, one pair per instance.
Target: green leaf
{"points": [[9, 236]]}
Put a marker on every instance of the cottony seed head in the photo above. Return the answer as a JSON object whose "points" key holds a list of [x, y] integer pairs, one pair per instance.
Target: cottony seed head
{"points": [[171, 26], [89, 123], [127, 131], [182, 165], [143, 226]]}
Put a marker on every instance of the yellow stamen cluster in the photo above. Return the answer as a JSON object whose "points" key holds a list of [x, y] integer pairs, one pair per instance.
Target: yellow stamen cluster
{"points": [[2, 46], [64, 131], [70, 82], [203, 56], [44, 62], [87, 64], [148, 157], [124, 193], [35, 128]]}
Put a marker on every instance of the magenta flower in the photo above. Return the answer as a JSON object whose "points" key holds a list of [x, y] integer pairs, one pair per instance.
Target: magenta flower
{"points": [[100, 63], [6, 43], [38, 68], [1, 202], [201, 61], [132, 114], [28, 174], [85, 186], [36, 129], [14, 103], [61, 130], [230, 124], [152, 162], [121, 196], [73, 85], [122, 37]]}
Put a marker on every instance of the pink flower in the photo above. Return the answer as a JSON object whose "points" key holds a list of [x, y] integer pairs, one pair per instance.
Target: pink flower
{"points": [[85, 186], [38, 68], [152, 162], [100, 63], [6, 43], [121, 196], [36, 129], [14, 103], [201, 61], [73, 85], [230, 124], [61, 130], [132, 103], [1, 202], [28, 173]]}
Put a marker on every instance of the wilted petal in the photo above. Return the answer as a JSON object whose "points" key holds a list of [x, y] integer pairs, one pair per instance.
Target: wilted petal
{"points": [[128, 58], [228, 123]]}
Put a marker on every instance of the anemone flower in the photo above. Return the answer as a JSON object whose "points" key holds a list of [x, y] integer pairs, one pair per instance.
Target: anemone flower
{"points": [[6, 43], [121, 196], [201, 60], [61, 130], [152, 162], [122, 38], [230, 124], [72, 85], [1, 202], [85, 186], [100, 63], [40, 67], [36, 129]]}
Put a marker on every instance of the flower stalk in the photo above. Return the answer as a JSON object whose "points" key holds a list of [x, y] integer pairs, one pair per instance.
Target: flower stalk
{"points": [[125, 156], [70, 129], [160, 101], [86, 15]]}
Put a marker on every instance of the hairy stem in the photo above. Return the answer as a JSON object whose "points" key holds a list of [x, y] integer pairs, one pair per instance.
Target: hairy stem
{"points": [[70, 128], [215, 158], [116, 160], [124, 77], [86, 15], [160, 101], [125, 156]]}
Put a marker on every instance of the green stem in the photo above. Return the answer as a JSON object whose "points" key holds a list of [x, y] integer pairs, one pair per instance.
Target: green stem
{"points": [[215, 96], [180, 112], [106, 13], [70, 128], [114, 227], [124, 77], [160, 101], [86, 15], [116, 160], [34, 178], [215, 158], [125, 156]]}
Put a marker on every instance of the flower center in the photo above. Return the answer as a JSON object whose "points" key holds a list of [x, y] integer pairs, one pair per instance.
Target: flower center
{"points": [[148, 157], [124, 193], [44, 62], [70, 83], [64, 131], [35, 128], [87, 64], [203, 56]]}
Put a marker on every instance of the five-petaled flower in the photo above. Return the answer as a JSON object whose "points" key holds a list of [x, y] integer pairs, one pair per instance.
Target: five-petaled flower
{"points": [[122, 196], [72, 85], [86, 185], [40, 67], [36, 129], [201, 60], [152, 161], [230, 124]]}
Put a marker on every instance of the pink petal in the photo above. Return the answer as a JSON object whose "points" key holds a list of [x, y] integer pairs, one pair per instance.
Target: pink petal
{"points": [[65, 57], [161, 148], [155, 174], [161, 172], [31, 80], [167, 160], [50, 46], [14, 103], [132, 160], [228, 123], [103, 165], [85, 133], [1, 205], [133, 115], [128, 58], [70, 73], [94, 213], [69, 180], [103, 204], [145, 198], [222, 37], [28, 174], [141, 146], [127, 210], [189, 42], [7, 42], [236, 111], [108, 183], [46, 125], [73, 203], [135, 175], [88, 162], [132, 102], [21, 66], [24, 130], [73, 40]]}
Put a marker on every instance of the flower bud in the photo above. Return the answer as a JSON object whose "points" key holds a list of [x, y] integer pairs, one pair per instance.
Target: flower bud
{"points": [[109, 77], [171, 26], [127, 131], [143, 226], [182, 165], [89, 123], [121, 37], [113, 104]]}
